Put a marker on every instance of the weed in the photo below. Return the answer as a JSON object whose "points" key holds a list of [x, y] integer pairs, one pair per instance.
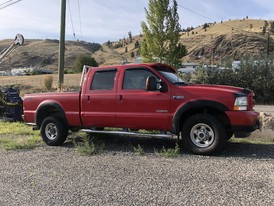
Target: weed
{"points": [[139, 150], [170, 152], [88, 147]]}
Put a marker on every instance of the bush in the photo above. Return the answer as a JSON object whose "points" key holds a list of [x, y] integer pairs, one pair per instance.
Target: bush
{"points": [[48, 81], [84, 59], [255, 75]]}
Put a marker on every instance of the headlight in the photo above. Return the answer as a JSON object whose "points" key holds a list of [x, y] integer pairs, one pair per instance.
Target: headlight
{"points": [[240, 103]]}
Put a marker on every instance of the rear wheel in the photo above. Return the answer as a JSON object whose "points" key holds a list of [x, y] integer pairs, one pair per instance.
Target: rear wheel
{"points": [[203, 134], [53, 131]]}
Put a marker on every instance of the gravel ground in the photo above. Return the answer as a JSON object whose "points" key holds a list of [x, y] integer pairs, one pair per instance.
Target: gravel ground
{"points": [[243, 174]]}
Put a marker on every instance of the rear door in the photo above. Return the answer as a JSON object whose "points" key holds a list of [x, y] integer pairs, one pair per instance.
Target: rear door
{"points": [[137, 107], [99, 98]]}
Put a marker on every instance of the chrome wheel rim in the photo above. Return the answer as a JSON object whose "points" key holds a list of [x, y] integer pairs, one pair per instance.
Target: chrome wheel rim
{"points": [[51, 131], [202, 135]]}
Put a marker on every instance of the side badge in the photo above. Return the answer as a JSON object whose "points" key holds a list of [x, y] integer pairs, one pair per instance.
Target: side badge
{"points": [[178, 97]]}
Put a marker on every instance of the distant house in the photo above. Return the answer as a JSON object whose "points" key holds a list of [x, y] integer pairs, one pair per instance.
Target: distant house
{"points": [[236, 64], [188, 67], [30, 70], [2, 73]]}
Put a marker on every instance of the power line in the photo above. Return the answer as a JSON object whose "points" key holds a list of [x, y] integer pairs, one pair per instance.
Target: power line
{"points": [[5, 2], [80, 22], [196, 13], [8, 3], [71, 20], [206, 16]]}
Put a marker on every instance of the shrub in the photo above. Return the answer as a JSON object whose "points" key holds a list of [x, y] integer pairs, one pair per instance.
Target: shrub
{"points": [[84, 59], [48, 81]]}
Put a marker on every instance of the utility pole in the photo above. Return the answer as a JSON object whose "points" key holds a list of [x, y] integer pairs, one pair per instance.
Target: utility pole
{"points": [[62, 44], [268, 45]]}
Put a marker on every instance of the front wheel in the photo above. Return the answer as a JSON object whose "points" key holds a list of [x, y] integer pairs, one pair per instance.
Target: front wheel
{"points": [[203, 134], [53, 131]]}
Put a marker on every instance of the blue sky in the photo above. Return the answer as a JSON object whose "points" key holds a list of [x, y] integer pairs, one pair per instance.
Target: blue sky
{"points": [[103, 20]]}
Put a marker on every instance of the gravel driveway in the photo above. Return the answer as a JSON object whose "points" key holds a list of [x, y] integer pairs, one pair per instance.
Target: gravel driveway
{"points": [[243, 174]]}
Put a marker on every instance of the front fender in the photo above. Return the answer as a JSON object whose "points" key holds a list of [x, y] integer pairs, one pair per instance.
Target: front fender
{"points": [[194, 107]]}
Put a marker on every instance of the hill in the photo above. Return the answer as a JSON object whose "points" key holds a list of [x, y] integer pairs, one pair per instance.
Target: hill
{"points": [[232, 39], [210, 43], [44, 53]]}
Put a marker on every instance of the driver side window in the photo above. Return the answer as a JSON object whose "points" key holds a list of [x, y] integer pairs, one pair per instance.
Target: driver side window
{"points": [[136, 78]]}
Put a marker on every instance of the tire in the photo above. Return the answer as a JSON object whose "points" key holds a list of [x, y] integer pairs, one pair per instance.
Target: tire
{"points": [[202, 134], [53, 131], [229, 135]]}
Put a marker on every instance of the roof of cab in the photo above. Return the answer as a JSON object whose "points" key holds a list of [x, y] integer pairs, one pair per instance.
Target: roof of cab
{"points": [[137, 65]]}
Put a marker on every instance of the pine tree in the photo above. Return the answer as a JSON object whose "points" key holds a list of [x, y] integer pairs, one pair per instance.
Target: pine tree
{"points": [[162, 34]]}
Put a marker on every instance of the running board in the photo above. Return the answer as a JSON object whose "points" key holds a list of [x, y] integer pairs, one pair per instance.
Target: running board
{"points": [[127, 133]]}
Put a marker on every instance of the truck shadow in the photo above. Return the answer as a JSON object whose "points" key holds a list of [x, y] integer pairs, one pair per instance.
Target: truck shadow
{"points": [[248, 150], [121, 143]]}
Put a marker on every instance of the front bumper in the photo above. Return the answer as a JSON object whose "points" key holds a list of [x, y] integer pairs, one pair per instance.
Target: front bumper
{"points": [[244, 122]]}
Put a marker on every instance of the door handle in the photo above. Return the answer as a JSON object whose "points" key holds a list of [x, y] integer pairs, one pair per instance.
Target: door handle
{"points": [[88, 99], [121, 98]]}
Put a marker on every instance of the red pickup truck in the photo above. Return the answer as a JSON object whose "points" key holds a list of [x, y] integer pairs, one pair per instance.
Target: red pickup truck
{"points": [[145, 96]]}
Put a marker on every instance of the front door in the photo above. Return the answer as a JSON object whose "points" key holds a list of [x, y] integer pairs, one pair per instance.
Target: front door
{"points": [[139, 108]]}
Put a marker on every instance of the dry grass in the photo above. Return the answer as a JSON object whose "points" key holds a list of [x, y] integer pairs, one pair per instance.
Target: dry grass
{"points": [[35, 83]]}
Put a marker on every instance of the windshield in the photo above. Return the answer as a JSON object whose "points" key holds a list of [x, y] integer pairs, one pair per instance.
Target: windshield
{"points": [[173, 78]]}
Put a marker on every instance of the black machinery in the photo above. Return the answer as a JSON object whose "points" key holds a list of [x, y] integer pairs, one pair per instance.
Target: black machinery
{"points": [[11, 104]]}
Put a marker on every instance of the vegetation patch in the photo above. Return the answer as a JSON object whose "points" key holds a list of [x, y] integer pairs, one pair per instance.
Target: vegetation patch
{"points": [[18, 136], [88, 147], [16, 128], [139, 150], [169, 152]]}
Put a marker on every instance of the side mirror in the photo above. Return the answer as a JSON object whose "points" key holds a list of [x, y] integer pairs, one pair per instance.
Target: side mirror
{"points": [[151, 83]]}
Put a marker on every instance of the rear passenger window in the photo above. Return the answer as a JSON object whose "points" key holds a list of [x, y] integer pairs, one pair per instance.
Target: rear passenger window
{"points": [[103, 80]]}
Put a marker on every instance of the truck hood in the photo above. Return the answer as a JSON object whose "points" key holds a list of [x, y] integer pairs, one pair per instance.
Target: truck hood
{"points": [[222, 89]]}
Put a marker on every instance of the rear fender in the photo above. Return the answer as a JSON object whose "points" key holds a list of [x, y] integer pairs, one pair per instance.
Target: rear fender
{"points": [[49, 108]]}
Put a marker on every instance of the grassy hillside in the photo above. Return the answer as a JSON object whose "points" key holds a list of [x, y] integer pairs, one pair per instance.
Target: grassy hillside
{"points": [[44, 53], [231, 39]]}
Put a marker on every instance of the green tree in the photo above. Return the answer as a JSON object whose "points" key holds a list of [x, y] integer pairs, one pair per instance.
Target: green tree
{"points": [[162, 33], [84, 59]]}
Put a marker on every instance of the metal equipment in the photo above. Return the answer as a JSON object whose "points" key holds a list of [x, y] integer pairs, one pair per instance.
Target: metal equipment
{"points": [[18, 41], [11, 104]]}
